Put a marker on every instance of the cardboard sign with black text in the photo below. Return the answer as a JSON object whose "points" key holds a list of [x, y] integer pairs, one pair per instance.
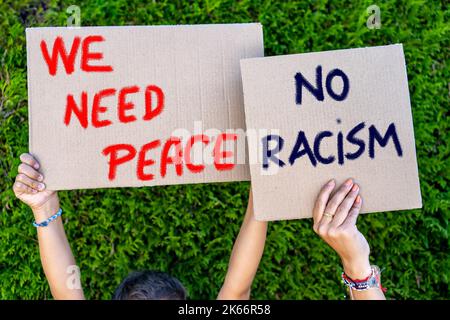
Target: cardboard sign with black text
{"points": [[337, 114], [134, 106]]}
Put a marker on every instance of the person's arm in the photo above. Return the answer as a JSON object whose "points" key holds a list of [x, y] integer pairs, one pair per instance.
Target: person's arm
{"points": [[335, 221], [245, 257], [56, 256]]}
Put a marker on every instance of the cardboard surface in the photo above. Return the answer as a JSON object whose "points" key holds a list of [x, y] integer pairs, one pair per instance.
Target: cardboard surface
{"points": [[194, 77], [368, 85]]}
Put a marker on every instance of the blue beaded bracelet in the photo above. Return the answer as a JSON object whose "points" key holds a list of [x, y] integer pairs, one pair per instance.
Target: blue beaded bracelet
{"points": [[46, 222]]}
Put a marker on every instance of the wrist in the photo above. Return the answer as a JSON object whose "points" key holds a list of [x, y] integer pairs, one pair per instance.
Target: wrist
{"points": [[47, 209], [357, 269]]}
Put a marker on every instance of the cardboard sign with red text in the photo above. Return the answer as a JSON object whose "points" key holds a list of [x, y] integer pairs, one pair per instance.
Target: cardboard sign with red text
{"points": [[135, 106], [336, 114]]}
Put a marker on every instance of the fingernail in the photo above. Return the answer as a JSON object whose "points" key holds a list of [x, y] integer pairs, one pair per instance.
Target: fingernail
{"points": [[358, 199], [40, 178], [349, 182], [330, 183], [36, 165], [41, 186], [355, 187]]}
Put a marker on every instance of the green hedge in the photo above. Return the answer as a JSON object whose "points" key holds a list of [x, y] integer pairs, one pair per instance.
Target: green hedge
{"points": [[189, 230]]}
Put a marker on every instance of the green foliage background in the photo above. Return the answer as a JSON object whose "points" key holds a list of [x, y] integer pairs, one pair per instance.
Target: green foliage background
{"points": [[189, 231]]}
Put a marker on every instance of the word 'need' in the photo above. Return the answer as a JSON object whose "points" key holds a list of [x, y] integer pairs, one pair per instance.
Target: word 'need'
{"points": [[81, 111]]}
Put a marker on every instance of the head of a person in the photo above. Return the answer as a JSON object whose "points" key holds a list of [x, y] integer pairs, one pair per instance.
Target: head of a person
{"points": [[150, 285]]}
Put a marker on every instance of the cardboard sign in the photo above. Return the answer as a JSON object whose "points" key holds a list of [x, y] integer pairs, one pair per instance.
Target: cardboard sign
{"points": [[134, 106], [337, 114]]}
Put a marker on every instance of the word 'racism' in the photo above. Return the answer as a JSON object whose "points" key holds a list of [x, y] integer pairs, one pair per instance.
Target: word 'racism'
{"points": [[272, 145], [173, 152]]}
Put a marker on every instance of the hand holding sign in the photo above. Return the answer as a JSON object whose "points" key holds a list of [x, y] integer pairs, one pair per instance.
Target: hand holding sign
{"points": [[335, 218], [335, 214], [30, 188]]}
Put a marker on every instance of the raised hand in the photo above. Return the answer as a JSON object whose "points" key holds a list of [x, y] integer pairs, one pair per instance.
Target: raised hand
{"points": [[335, 222], [30, 188]]}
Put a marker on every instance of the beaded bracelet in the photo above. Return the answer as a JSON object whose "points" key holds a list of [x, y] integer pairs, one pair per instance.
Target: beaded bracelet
{"points": [[372, 281], [46, 222]]}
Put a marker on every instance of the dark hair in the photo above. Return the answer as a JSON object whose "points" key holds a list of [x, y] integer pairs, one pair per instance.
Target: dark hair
{"points": [[150, 285]]}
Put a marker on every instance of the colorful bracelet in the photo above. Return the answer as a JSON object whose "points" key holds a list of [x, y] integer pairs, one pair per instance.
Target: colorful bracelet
{"points": [[46, 222], [372, 281]]}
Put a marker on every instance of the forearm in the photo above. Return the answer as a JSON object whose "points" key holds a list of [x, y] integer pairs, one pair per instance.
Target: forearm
{"points": [[56, 256], [245, 257]]}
